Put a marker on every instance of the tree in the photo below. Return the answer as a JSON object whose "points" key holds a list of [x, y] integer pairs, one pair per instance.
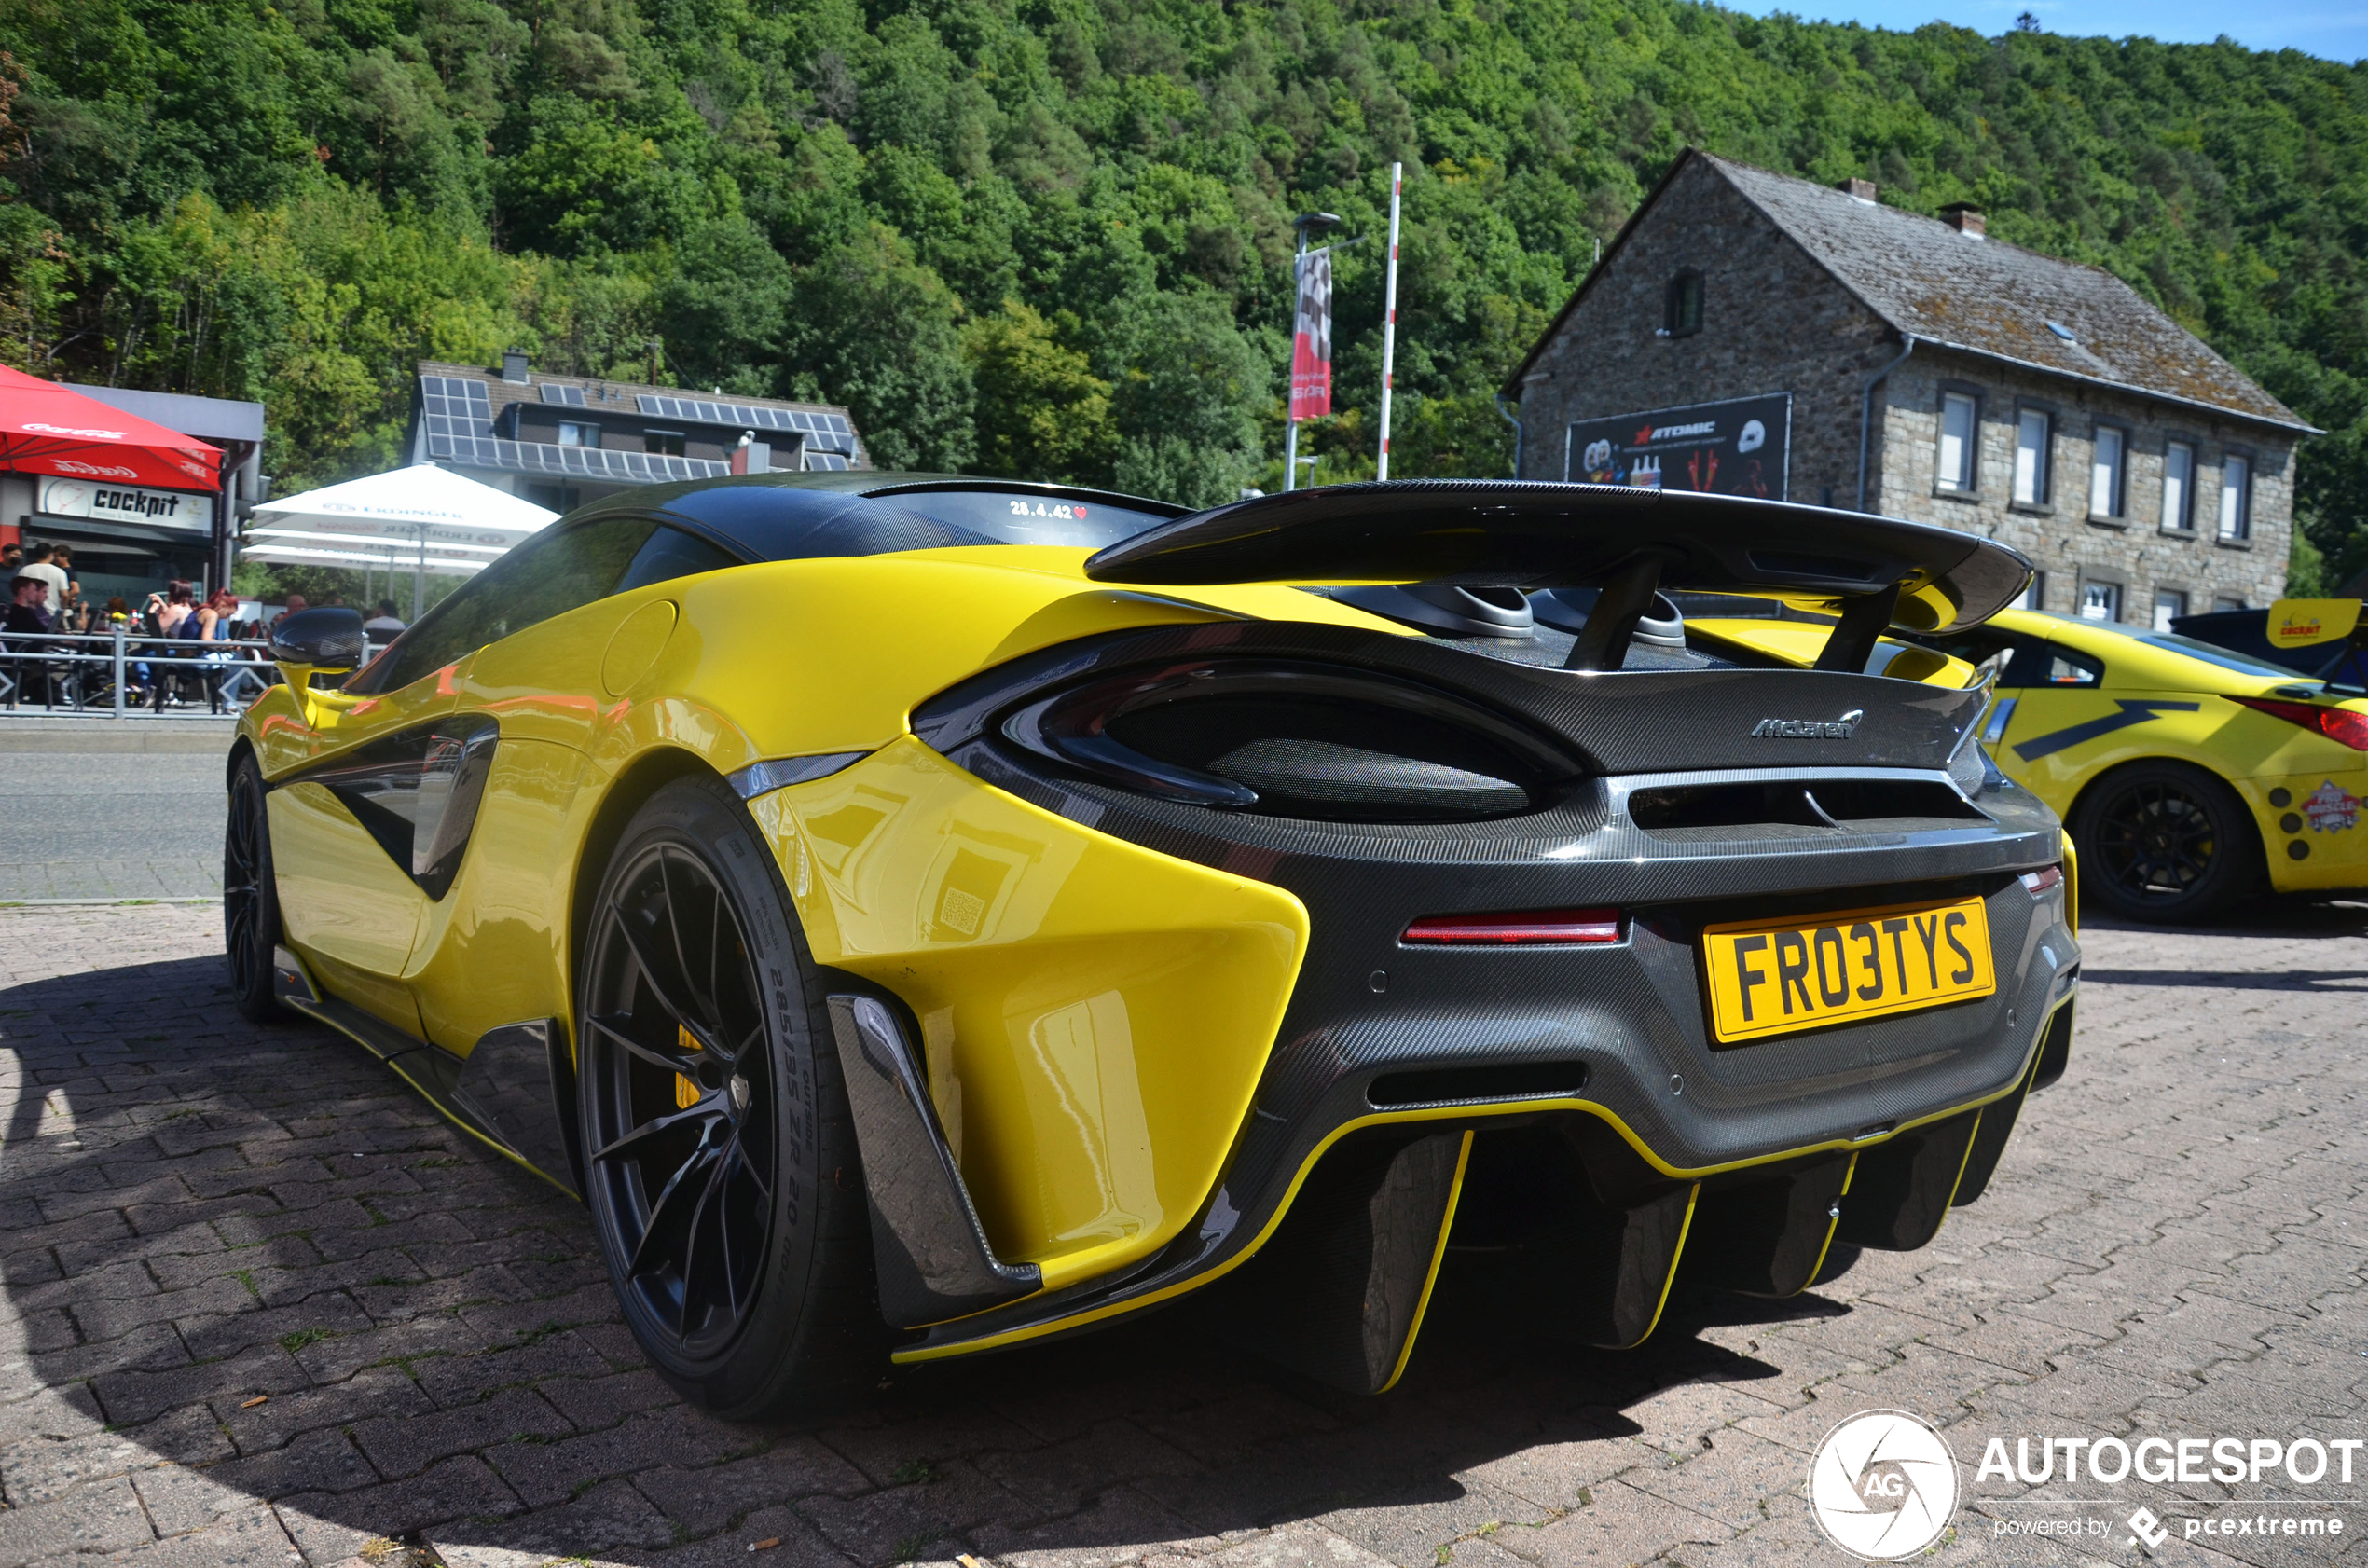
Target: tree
{"points": [[1188, 401], [873, 329], [1042, 413]]}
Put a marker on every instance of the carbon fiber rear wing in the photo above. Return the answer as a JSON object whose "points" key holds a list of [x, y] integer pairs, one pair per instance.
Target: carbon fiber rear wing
{"points": [[1628, 542]]}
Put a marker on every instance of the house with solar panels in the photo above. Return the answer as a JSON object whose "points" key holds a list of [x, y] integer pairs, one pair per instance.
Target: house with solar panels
{"points": [[559, 441]]}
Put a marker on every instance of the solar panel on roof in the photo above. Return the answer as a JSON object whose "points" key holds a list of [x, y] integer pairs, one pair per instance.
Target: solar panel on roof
{"points": [[572, 396], [740, 416]]}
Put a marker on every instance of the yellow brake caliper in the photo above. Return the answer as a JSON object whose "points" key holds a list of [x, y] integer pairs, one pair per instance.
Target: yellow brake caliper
{"points": [[686, 1090]]}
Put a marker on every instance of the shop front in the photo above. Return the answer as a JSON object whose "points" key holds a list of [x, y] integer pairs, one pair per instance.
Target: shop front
{"points": [[127, 540]]}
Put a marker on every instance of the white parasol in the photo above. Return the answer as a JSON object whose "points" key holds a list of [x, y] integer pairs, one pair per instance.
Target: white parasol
{"points": [[426, 517]]}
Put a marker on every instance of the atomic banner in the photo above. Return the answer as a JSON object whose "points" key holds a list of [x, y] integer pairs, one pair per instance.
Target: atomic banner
{"points": [[1737, 447]]}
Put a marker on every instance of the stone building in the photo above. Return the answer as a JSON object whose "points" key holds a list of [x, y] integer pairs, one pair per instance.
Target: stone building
{"points": [[1753, 333], [562, 440]]}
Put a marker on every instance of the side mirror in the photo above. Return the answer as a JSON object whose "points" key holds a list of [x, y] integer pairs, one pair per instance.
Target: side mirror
{"points": [[329, 638]]}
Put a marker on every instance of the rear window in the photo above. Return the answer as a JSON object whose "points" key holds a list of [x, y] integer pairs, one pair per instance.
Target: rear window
{"points": [[2211, 652], [1029, 517], [2242, 664]]}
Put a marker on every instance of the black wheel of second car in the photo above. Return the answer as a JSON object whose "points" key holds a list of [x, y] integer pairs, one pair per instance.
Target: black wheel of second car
{"points": [[2163, 842], [250, 901], [718, 1155]]}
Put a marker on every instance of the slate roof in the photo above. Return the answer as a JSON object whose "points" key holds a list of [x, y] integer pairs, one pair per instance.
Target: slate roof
{"points": [[1984, 296]]}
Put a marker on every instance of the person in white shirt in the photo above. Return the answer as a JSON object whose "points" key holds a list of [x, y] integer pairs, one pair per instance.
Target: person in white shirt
{"points": [[38, 564], [384, 623]]}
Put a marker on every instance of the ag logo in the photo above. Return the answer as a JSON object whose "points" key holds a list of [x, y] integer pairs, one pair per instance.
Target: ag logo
{"points": [[1882, 1486]]}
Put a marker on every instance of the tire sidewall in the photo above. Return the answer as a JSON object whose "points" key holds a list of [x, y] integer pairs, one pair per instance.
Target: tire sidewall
{"points": [[255, 992], [751, 1372], [2236, 869]]}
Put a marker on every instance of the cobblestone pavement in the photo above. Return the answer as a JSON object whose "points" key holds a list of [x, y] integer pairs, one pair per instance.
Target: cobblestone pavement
{"points": [[263, 1308]]}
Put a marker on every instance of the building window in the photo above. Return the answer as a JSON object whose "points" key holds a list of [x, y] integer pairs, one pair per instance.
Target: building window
{"points": [[2031, 432], [554, 498], [2235, 497], [2222, 603], [2179, 488], [1959, 427], [2099, 601], [2169, 604], [2035, 597], [2105, 471], [573, 434], [1681, 315], [667, 442]]}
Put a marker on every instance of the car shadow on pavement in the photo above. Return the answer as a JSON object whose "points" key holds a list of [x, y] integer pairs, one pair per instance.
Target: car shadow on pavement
{"points": [[249, 1267]]}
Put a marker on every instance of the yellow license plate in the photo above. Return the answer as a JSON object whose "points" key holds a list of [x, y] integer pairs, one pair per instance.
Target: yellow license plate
{"points": [[1773, 979]]}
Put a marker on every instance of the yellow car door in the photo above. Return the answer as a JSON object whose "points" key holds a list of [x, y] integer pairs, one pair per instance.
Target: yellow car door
{"points": [[569, 637], [347, 903]]}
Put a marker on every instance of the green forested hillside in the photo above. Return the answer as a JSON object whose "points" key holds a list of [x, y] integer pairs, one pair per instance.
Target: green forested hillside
{"points": [[1052, 237]]}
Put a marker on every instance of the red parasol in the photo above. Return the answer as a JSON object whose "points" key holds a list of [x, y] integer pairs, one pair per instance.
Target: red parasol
{"points": [[46, 429]]}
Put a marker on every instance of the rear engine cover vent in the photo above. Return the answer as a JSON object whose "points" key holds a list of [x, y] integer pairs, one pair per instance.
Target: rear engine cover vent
{"points": [[1794, 809], [1335, 759], [1297, 739], [1359, 777]]}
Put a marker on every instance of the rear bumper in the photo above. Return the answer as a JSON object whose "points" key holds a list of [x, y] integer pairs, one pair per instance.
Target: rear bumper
{"points": [[1370, 1016]]}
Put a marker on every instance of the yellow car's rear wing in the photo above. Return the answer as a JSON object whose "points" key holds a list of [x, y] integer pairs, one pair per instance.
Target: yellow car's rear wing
{"points": [[1627, 543]]}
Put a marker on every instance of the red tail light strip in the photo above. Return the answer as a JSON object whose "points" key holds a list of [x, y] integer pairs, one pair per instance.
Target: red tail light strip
{"points": [[2340, 724], [1558, 926]]}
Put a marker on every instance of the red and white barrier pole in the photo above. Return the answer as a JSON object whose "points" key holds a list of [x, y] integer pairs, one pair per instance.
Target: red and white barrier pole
{"points": [[1389, 318]]}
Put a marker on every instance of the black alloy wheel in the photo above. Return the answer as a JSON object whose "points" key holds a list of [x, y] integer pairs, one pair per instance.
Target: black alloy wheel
{"points": [[719, 1156], [250, 901], [2164, 842]]}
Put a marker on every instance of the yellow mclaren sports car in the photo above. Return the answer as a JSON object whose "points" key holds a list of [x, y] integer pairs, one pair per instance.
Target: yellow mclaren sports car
{"points": [[2192, 774], [921, 916]]}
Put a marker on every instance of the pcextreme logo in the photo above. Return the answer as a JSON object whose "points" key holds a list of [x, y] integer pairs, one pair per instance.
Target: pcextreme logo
{"points": [[1882, 1486]]}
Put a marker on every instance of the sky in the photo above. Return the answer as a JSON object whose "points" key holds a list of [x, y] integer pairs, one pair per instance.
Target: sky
{"points": [[2331, 29]]}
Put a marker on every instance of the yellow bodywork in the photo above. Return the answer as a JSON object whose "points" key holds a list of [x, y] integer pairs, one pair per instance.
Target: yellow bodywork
{"points": [[1097, 1015], [2255, 752]]}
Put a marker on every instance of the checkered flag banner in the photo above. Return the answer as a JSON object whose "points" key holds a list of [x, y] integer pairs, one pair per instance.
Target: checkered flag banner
{"points": [[1312, 339]]}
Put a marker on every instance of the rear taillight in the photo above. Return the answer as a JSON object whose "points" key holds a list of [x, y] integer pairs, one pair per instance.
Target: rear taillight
{"points": [[2045, 880], [1512, 926], [2340, 725]]}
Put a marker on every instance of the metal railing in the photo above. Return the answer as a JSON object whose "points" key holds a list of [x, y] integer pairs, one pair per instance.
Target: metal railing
{"points": [[90, 674]]}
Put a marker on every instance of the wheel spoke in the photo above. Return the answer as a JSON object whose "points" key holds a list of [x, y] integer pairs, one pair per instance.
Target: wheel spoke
{"points": [[756, 1178], [716, 1172], [671, 1198], [635, 1142], [674, 933], [684, 1063], [649, 973]]}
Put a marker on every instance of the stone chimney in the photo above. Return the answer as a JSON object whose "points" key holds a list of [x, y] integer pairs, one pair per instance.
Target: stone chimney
{"points": [[1863, 189], [1966, 219], [514, 365]]}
